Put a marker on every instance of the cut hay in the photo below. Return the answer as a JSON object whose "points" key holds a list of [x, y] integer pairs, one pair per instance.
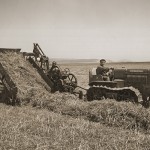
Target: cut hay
{"points": [[27, 128], [109, 112], [29, 83]]}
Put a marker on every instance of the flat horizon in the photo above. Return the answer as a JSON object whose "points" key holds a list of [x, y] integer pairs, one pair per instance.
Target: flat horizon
{"points": [[112, 29]]}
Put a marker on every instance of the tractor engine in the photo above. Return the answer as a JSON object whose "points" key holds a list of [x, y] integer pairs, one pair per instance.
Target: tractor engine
{"points": [[137, 78]]}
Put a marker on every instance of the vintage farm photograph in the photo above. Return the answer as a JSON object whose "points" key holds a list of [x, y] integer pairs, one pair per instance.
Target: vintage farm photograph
{"points": [[74, 75]]}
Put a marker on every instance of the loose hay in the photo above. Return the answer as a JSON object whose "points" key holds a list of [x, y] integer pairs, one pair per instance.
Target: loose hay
{"points": [[29, 83], [109, 112]]}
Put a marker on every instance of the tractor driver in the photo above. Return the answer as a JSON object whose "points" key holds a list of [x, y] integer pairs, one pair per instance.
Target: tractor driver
{"points": [[103, 71]]}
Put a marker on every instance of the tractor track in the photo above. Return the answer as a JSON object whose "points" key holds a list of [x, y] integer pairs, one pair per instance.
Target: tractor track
{"points": [[121, 94]]}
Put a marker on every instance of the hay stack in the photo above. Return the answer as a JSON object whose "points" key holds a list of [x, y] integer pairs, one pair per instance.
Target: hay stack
{"points": [[29, 83]]}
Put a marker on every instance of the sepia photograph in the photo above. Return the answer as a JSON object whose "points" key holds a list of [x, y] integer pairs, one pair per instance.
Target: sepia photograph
{"points": [[74, 75]]}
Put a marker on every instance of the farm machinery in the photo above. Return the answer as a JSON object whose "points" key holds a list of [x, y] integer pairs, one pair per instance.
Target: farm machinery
{"points": [[58, 79], [125, 85]]}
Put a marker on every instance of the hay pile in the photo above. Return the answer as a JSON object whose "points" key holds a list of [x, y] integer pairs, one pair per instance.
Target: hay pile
{"points": [[109, 112], [29, 83]]}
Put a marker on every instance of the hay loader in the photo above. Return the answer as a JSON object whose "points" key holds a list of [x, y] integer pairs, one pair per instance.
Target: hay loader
{"points": [[64, 81], [58, 79]]}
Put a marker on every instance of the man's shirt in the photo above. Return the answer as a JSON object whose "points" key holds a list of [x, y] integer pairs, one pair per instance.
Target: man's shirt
{"points": [[101, 70]]}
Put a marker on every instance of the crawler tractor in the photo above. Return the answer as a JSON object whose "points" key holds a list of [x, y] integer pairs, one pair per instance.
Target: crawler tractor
{"points": [[126, 84]]}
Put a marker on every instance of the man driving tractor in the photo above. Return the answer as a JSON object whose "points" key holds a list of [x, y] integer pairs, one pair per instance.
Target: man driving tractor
{"points": [[103, 71]]}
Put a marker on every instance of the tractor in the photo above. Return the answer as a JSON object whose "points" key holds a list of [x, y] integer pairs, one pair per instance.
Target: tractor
{"points": [[125, 84]]}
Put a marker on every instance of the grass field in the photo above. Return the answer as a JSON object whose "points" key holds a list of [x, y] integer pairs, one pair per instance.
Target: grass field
{"points": [[28, 128], [63, 122]]}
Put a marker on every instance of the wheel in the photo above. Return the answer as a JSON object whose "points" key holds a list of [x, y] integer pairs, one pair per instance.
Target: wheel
{"points": [[72, 80]]}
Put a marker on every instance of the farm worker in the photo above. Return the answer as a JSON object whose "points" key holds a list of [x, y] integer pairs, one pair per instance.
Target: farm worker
{"points": [[54, 66], [103, 71], [54, 72]]}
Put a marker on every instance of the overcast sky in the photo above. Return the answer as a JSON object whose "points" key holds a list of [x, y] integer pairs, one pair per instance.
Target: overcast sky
{"points": [[111, 29]]}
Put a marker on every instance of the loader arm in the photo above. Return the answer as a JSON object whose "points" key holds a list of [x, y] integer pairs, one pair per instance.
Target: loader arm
{"points": [[43, 59]]}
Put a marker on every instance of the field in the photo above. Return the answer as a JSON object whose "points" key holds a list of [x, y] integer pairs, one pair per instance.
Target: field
{"points": [[61, 121], [81, 70]]}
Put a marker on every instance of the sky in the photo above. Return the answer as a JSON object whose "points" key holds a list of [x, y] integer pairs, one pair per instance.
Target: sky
{"points": [[83, 29]]}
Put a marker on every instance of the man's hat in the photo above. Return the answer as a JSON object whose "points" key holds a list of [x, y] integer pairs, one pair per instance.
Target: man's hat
{"points": [[54, 63], [102, 60]]}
